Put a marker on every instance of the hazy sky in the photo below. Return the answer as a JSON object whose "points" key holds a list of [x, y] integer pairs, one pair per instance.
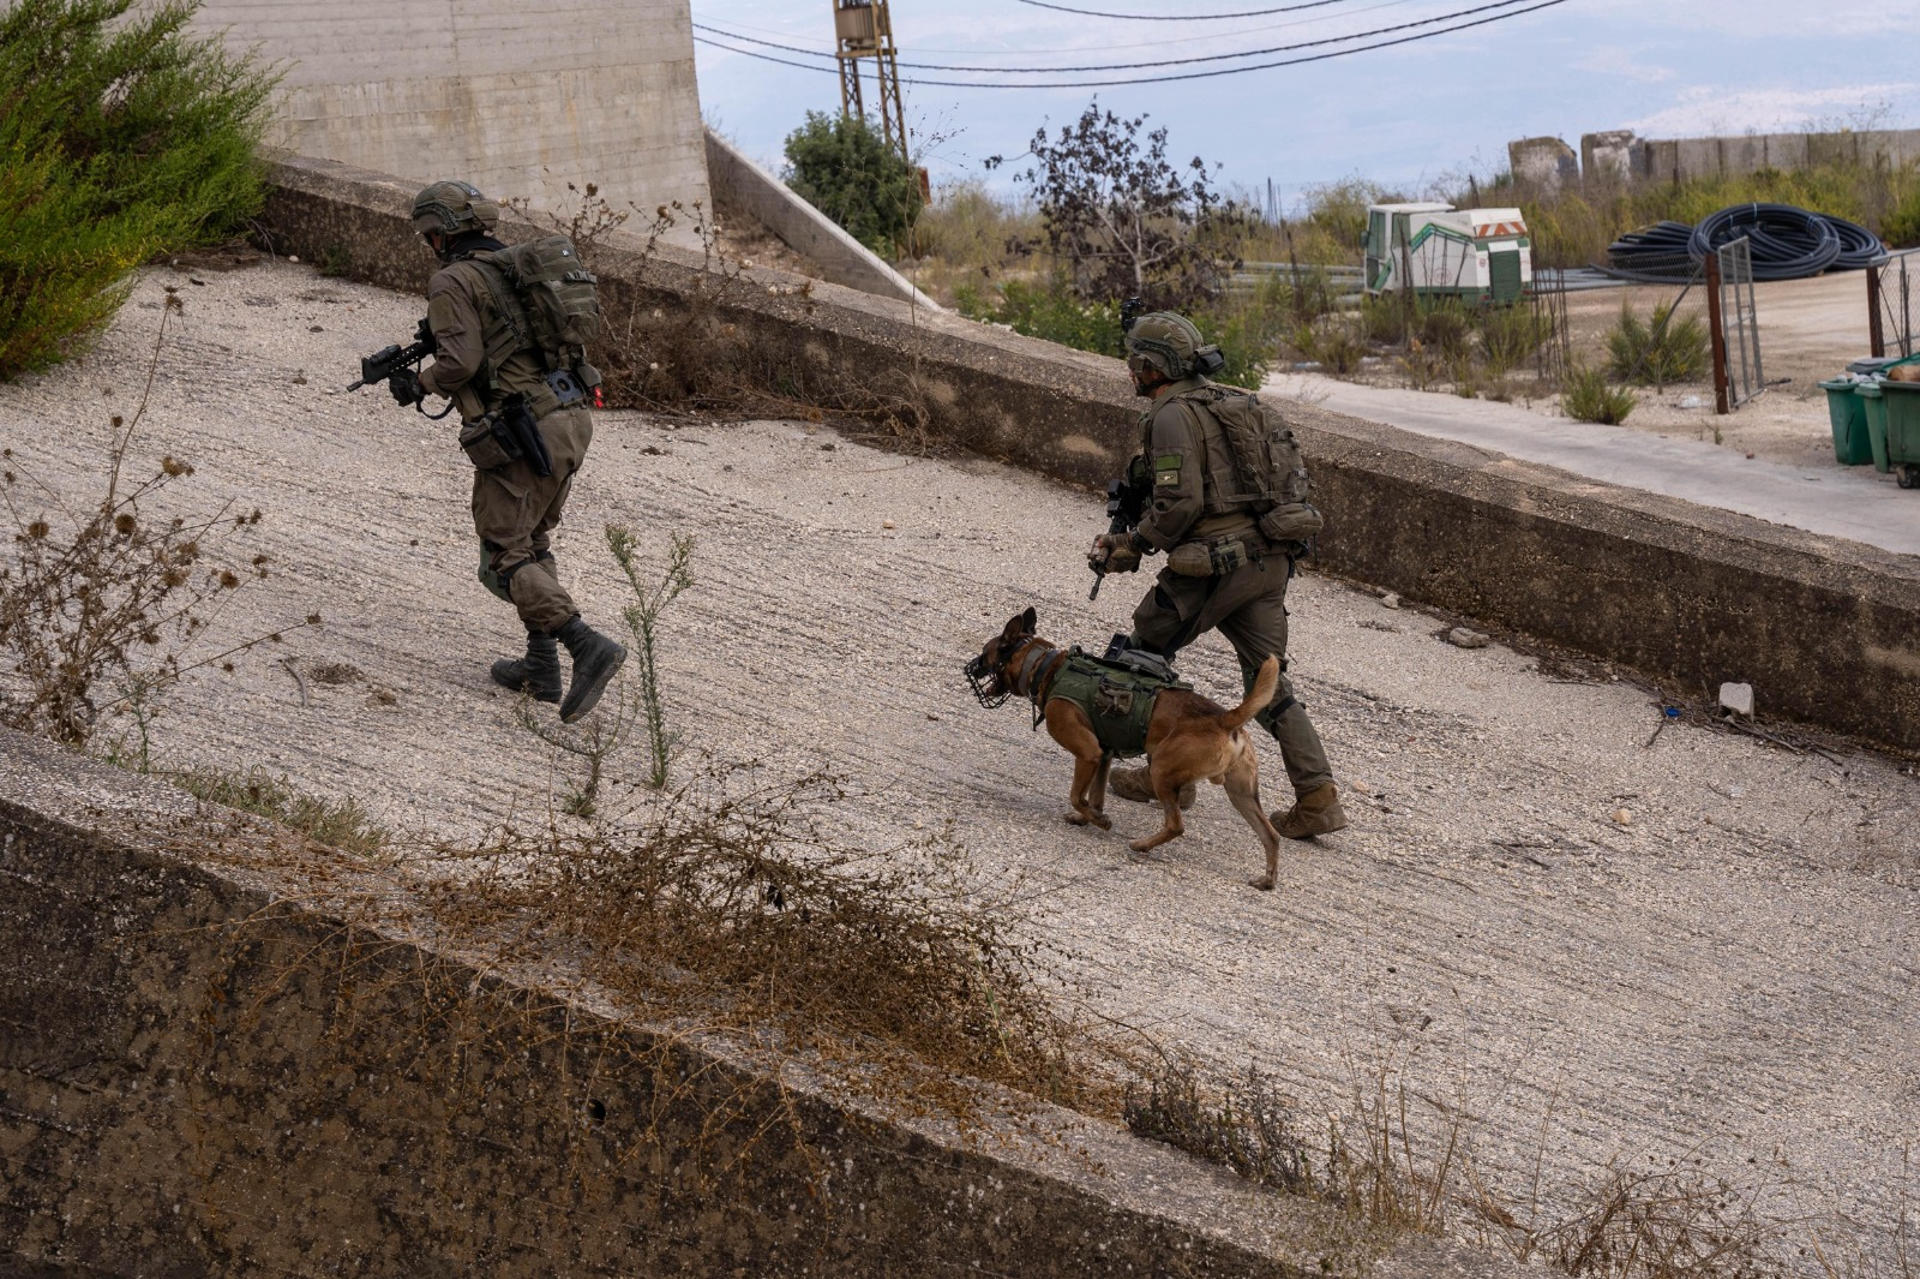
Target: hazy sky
{"points": [[1405, 116]]}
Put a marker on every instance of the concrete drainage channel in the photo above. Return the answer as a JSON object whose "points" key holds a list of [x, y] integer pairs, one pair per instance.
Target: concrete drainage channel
{"points": [[263, 1137]]}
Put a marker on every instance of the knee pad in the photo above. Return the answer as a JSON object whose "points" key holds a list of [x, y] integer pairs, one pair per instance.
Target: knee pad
{"points": [[494, 582]]}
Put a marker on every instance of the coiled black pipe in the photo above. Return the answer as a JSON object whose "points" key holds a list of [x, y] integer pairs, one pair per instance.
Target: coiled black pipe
{"points": [[1859, 247], [1659, 254], [1788, 243]]}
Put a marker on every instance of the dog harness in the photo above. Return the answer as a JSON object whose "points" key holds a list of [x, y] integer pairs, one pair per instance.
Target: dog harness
{"points": [[1116, 697]]}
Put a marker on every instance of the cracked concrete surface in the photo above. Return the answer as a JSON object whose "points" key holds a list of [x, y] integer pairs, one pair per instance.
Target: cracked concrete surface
{"points": [[1597, 945]]}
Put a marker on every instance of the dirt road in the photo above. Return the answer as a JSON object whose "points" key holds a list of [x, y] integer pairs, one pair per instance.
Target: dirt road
{"points": [[1600, 943]]}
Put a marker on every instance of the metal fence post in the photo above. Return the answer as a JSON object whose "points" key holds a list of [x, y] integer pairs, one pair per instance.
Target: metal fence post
{"points": [[1716, 325], [1876, 336]]}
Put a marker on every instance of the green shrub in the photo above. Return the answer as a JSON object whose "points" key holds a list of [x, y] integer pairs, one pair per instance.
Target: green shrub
{"points": [[1445, 327], [1901, 227], [1667, 350], [1509, 335], [838, 164], [1383, 318], [121, 137], [1335, 345], [1245, 326], [341, 824], [1588, 398]]}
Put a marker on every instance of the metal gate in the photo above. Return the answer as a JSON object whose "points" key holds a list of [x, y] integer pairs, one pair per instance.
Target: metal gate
{"points": [[1891, 304], [1736, 327]]}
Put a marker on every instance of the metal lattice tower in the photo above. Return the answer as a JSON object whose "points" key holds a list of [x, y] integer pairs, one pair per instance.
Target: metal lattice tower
{"points": [[864, 29]]}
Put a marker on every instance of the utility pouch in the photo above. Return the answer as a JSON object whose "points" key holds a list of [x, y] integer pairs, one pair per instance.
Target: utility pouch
{"points": [[485, 443], [1227, 556], [1292, 522], [1191, 559], [1113, 700]]}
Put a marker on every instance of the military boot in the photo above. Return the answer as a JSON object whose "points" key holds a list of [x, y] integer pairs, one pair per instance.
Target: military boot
{"points": [[536, 674], [1131, 783], [1317, 812], [596, 660]]}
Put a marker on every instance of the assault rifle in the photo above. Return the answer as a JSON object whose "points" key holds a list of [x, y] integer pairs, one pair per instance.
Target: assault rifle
{"points": [[1126, 503], [389, 360]]}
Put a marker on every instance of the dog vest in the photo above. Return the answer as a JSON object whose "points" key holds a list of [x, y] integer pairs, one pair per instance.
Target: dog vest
{"points": [[1117, 699]]}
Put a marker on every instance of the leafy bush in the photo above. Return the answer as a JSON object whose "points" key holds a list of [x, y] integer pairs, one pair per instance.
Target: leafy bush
{"points": [[1588, 398], [1667, 350], [1246, 327], [843, 168], [121, 137]]}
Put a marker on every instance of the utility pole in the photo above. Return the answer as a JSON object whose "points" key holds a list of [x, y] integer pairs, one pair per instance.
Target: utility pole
{"points": [[864, 29]]}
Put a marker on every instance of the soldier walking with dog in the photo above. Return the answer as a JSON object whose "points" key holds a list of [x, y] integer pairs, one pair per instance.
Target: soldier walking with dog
{"points": [[506, 333], [1223, 492]]}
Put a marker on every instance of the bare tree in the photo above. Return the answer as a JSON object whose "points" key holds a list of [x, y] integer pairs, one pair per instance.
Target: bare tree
{"points": [[1125, 218]]}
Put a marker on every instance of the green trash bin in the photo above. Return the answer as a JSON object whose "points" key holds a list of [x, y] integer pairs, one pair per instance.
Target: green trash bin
{"points": [[1900, 404], [1876, 407], [1848, 413]]}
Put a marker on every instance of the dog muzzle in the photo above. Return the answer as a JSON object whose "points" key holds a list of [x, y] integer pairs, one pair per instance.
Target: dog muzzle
{"points": [[981, 678]]}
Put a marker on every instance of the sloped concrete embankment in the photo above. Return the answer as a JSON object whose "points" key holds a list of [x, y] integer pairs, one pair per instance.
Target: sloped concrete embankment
{"points": [[1828, 631], [206, 1069]]}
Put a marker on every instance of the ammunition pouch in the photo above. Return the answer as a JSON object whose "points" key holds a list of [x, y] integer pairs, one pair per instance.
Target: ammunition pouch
{"points": [[1215, 558], [486, 443]]}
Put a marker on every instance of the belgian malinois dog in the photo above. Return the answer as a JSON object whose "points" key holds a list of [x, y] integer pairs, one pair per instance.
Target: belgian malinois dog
{"points": [[1188, 737]]}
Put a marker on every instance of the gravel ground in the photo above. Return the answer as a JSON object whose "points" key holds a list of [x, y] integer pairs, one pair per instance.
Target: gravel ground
{"points": [[1597, 946]]}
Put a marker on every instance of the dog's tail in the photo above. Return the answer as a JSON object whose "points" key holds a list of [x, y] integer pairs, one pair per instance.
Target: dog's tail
{"points": [[1265, 685]]}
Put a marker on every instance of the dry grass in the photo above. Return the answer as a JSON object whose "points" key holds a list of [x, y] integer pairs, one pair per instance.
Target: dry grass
{"points": [[340, 824], [725, 900], [95, 594]]}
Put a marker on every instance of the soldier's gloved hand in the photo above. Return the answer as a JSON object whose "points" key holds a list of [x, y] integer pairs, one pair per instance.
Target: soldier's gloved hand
{"points": [[406, 388], [1114, 552]]}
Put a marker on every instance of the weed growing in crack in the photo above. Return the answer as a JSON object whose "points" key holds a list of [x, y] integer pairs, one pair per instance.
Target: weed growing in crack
{"points": [[642, 618], [341, 824]]}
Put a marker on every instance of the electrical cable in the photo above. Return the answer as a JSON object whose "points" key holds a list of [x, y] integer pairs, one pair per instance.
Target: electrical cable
{"points": [[1186, 75], [1195, 17], [1158, 62], [1659, 254], [1160, 43]]}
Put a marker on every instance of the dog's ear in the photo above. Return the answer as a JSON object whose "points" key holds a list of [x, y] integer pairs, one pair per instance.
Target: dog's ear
{"points": [[1027, 620], [1018, 626]]}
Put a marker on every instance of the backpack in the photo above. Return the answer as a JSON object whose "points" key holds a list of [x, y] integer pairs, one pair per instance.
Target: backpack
{"points": [[1269, 474], [546, 299]]}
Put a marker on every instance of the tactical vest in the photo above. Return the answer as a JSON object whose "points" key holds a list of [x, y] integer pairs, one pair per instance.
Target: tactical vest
{"points": [[1117, 699]]}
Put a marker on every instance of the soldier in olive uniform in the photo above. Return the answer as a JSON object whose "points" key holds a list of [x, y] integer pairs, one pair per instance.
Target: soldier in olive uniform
{"points": [[479, 361], [1190, 467]]}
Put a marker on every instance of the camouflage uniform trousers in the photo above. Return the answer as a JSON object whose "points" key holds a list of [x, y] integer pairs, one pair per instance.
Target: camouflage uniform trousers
{"points": [[513, 512], [1249, 607]]}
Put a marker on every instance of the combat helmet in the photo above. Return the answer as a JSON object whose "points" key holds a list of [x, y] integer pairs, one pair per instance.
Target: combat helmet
{"points": [[1170, 343], [453, 208]]}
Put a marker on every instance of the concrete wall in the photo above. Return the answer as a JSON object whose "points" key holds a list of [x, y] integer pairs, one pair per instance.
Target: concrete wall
{"points": [[518, 99], [1678, 159], [1828, 631], [212, 1064], [1543, 162], [801, 227]]}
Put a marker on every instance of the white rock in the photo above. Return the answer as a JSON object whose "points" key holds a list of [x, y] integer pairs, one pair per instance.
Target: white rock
{"points": [[1390, 600], [1461, 637], [1737, 698]]}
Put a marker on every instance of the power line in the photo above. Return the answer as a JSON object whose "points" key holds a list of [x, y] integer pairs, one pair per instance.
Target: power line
{"points": [[1158, 62], [1185, 75], [1159, 43], [1195, 17]]}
